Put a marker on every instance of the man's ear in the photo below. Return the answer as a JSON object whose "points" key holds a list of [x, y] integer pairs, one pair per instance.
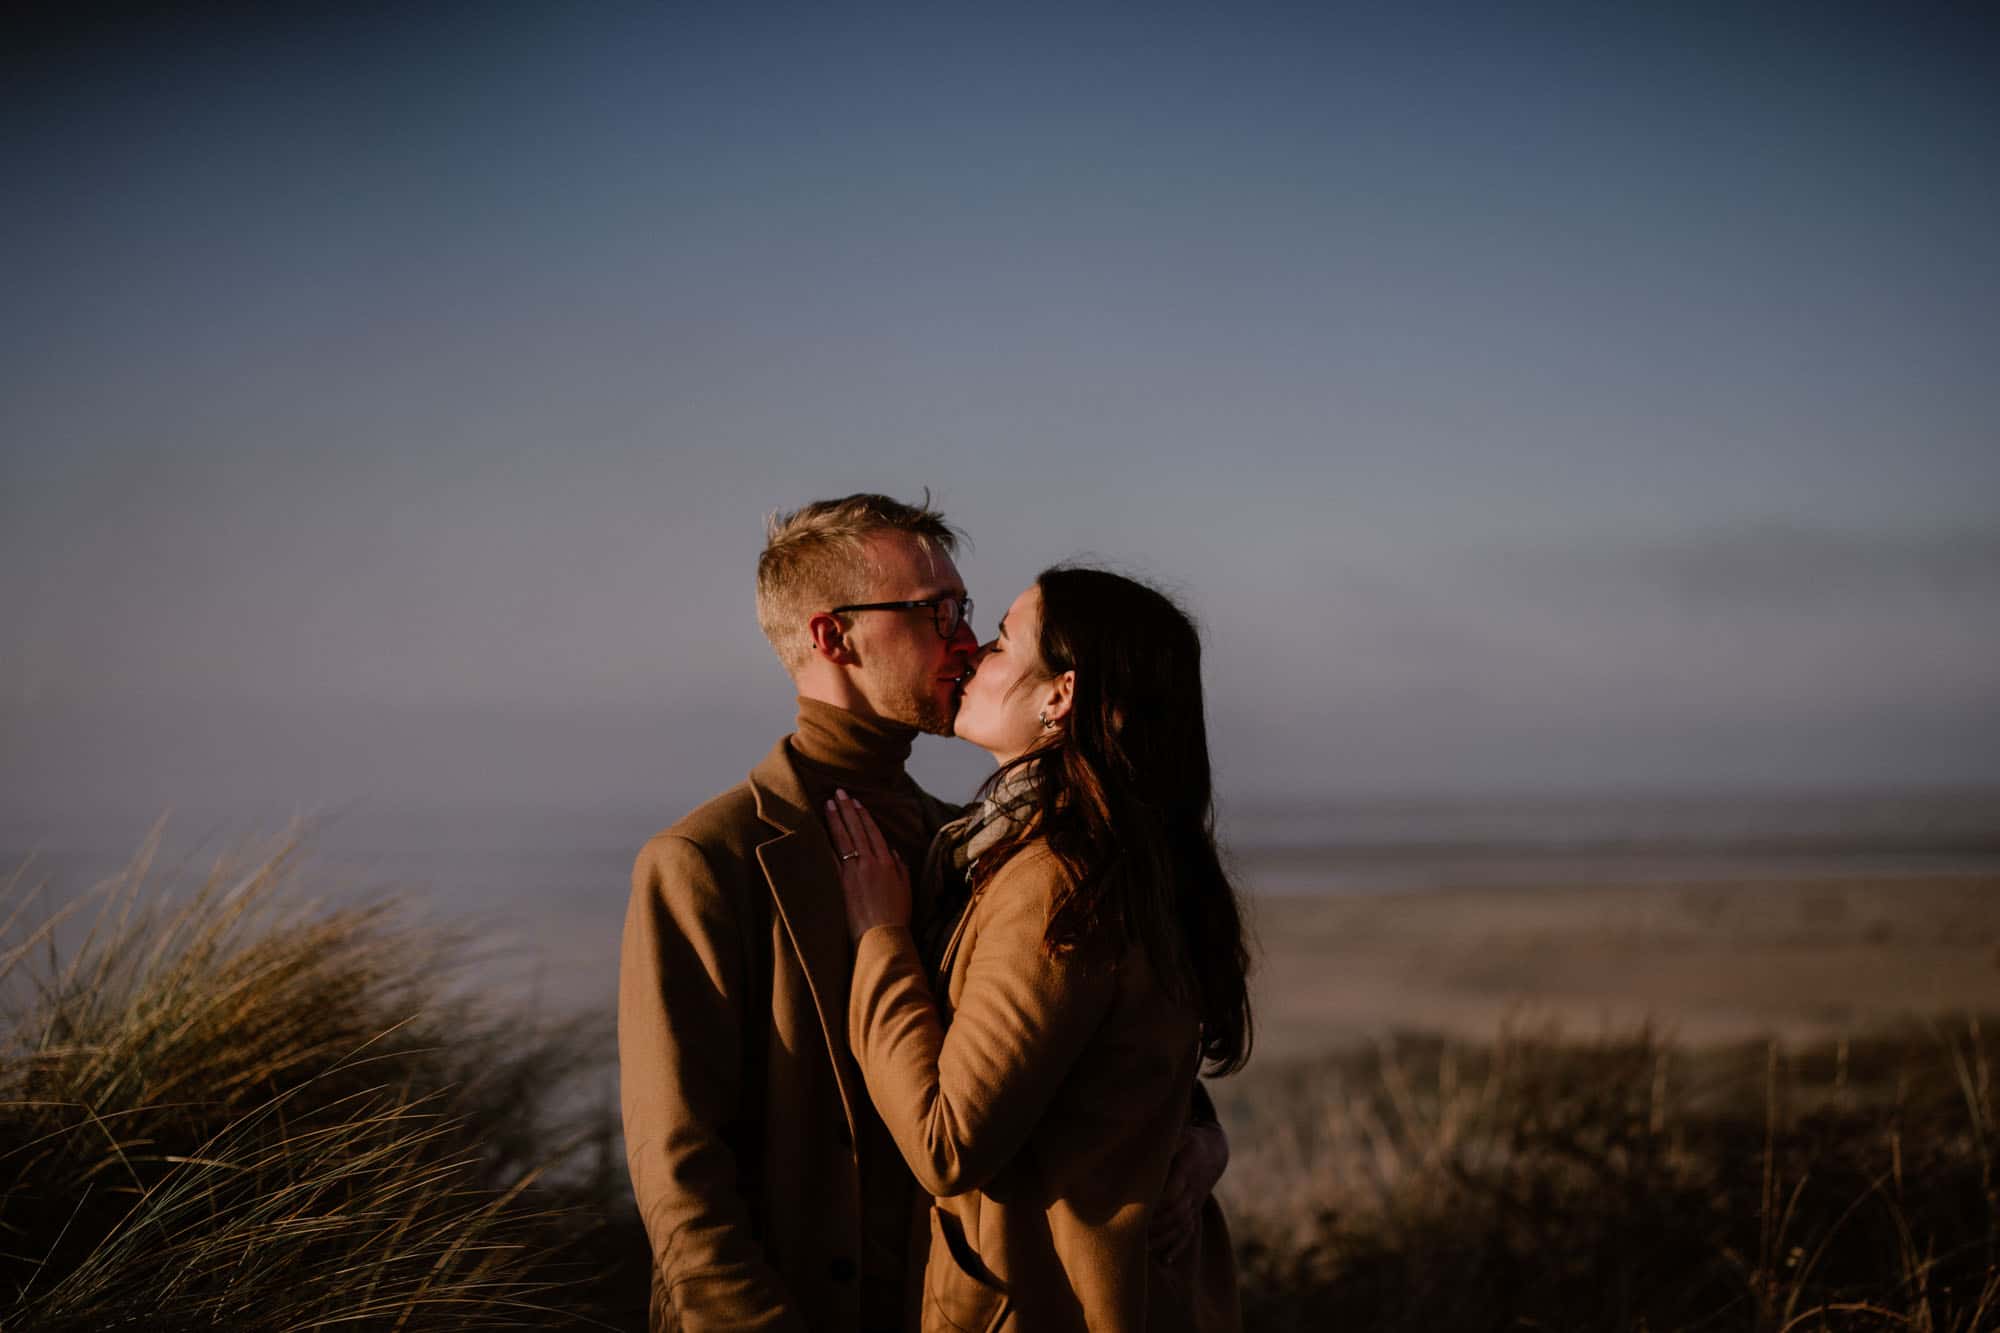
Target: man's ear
{"points": [[1061, 693], [829, 639]]}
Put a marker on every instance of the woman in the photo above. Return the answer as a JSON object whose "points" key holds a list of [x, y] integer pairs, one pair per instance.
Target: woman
{"points": [[1038, 1090]]}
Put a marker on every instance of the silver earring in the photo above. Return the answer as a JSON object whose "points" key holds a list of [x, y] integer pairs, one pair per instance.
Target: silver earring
{"points": [[1043, 718]]}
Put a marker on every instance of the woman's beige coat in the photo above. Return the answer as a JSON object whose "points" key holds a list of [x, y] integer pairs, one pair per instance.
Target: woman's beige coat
{"points": [[1040, 1100]]}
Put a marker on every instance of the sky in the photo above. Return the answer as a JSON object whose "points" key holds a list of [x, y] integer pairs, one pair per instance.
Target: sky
{"points": [[1577, 398]]}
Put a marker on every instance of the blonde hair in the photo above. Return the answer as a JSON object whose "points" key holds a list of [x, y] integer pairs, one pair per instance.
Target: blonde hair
{"points": [[817, 556]]}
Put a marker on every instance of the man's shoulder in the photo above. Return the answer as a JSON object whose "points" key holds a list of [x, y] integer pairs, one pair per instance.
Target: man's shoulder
{"points": [[731, 824], [722, 816], [726, 826], [707, 855]]}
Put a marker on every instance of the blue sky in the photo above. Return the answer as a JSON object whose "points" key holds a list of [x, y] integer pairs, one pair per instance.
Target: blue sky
{"points": [[1559, 399]]}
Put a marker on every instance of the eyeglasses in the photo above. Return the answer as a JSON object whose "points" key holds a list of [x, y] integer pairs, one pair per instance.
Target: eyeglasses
{"points": [[947, 612]]}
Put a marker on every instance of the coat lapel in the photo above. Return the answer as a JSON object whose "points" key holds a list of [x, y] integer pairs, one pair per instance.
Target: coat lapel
{"points": [[798, 863], [950, 953]]}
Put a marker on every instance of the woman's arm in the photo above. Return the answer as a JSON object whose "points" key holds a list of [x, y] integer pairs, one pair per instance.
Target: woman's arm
{"points": [[961, 1101]]}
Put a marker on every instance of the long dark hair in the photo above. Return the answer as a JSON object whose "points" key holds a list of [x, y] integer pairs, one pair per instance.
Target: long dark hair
{"points": [[1122, 797]]}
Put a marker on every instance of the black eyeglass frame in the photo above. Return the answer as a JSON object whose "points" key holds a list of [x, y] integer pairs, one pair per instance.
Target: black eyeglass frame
{"points": [[964, 605]]}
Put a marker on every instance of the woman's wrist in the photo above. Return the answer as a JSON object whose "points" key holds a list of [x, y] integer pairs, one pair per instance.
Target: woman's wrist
{"points": [[858, 927]]}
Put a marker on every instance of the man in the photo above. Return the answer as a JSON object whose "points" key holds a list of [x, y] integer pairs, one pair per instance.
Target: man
{"points": [[771, 1193]]}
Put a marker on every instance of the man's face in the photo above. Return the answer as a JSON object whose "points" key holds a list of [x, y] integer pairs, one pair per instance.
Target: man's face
{"points": [[908, 673]]}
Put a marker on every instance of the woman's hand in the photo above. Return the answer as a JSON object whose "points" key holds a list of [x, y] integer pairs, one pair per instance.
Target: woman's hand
{"points": [[873, 878]]}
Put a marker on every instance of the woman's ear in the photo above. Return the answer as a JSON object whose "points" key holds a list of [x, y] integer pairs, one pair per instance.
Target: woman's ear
{"points": [[1057, 698]]}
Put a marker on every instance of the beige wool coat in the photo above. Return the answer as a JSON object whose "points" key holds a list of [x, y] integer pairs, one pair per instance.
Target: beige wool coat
{"points": [[1041, 1100], [737, 1087]]}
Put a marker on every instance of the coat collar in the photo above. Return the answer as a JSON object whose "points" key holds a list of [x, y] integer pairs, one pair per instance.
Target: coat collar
{"points": [[799, 864]]}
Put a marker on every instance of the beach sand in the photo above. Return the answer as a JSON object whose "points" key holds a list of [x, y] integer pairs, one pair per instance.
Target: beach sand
{"points": [[1715, 961]]}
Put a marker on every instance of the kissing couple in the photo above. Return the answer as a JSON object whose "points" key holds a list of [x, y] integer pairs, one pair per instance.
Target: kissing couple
{"points": [[888, 1063]]}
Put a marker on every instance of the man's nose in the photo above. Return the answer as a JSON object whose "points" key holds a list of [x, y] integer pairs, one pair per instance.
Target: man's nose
{"points": [[963, 641]]}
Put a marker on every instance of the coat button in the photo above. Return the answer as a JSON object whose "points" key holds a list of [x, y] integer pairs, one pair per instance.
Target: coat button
{"points": [[841, 1269]]}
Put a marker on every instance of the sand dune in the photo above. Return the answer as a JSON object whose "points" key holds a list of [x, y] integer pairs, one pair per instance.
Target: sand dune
{"points": [[1714, 961]]}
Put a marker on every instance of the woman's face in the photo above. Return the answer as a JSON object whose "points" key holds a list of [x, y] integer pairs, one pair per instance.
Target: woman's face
{"points": [[1010, 688]]}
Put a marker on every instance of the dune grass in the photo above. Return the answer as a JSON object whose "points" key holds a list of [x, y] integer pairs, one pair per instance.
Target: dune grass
{"points": [[1622, 1183], [222, 1106]]}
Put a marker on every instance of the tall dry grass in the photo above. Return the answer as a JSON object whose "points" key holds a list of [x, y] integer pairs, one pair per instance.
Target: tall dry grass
{"points": [[228, 1107], [1622, 1183]]}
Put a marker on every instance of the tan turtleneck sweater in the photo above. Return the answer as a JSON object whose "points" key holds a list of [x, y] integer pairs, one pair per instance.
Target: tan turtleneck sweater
{"points": [[864, 756]]}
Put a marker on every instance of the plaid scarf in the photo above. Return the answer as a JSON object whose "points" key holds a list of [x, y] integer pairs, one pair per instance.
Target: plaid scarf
{"points": [[953, 852]]}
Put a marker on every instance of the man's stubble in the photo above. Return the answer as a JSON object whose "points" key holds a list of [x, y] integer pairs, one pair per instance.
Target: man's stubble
{"points": [[917, 705], [922, 711]]}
